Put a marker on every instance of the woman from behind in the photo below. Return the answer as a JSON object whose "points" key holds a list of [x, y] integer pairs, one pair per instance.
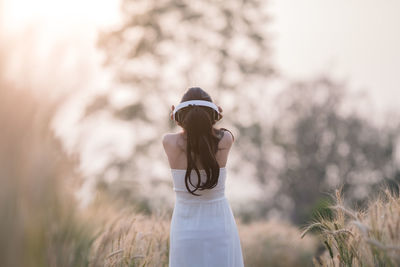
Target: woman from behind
{"points": [[203, 229]]}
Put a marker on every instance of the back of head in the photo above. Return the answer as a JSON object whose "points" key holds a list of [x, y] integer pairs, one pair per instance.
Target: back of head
{"points": [[202, 140]]}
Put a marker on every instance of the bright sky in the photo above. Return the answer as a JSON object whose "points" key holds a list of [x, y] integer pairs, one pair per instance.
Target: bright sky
{"points": [[60, 12], [358, 40], [54, 41]]}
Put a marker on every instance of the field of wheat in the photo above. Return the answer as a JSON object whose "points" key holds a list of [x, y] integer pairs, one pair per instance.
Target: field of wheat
{"points": [[132, 239], [369, 237]]}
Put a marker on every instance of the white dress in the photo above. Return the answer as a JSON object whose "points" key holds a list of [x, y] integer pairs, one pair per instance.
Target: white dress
{"points": [[203, 230]]}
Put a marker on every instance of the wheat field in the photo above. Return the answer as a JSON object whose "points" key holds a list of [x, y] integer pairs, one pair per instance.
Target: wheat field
{"points": [[369, 237]]}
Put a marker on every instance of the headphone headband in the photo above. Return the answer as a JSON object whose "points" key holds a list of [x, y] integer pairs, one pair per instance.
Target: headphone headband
{"points": [[196, 103]]}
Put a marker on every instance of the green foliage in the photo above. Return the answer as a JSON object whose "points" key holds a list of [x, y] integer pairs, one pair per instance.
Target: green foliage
{"points": [[322, 209], [326, 144]]}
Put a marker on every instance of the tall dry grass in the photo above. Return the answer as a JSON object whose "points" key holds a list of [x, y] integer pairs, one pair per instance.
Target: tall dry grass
{"points": [[369, 237], [39, 225], [126, 237], [131, 239]]}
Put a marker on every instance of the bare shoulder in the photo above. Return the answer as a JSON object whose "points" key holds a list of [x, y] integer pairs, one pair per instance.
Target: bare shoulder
{"points": [[170, 139], [167, 138], [227, 140]]}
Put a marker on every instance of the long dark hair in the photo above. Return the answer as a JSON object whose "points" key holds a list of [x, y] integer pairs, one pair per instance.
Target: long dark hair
{"points": [[202, 139]]}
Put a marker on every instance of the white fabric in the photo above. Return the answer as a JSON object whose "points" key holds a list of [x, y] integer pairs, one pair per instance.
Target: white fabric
{"points": [[203, 230], [197, 103]]}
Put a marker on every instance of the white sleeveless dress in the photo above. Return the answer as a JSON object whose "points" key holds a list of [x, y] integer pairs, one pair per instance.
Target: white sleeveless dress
{"points": [[203, 230]]}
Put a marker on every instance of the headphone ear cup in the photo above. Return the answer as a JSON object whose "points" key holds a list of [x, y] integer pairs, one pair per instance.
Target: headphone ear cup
{"points": [[216, 116]]}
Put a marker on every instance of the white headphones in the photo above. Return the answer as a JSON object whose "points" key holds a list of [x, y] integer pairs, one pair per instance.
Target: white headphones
{"points": [[217, 114]]}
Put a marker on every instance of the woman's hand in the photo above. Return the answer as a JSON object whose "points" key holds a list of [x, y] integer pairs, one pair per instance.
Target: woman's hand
{"points": [[220, 111]]}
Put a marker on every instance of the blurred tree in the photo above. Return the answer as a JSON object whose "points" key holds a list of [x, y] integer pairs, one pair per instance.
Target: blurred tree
{"points": [[163, 47], [169, 45], [325, 144]]}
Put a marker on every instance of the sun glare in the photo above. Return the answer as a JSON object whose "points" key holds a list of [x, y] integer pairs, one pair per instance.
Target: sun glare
{"points": [[21, 13]]}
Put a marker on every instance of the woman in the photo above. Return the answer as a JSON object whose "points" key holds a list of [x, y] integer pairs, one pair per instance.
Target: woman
{"points": [[203, 230]]}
